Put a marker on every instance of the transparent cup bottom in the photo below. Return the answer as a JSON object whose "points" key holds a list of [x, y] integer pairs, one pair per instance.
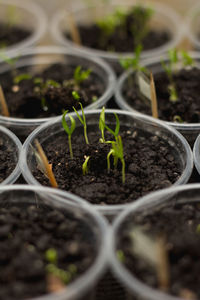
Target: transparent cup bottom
{"points": [[136, 288], [22, 196], [27, 15], [39, 58], [131, 121], [11, 144], [163, 18], [189, 130]]}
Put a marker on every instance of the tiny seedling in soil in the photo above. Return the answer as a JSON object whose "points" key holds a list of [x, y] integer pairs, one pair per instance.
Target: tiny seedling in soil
{"points": [[133, 62], [85, 167], [83, 121], [69, 130], [102, 125]]}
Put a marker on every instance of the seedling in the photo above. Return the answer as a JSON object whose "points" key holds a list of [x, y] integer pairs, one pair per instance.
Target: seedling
{"points": [[83, 121], [133, 62], [102, 125], [76, 95], [140, 27], [117, 127], [175, 57], [21, 77], [85, 165], [44, 165], [3, 104], [120, 256], [178, 119], [52, 268], [117, 153], [69, 130], [41, 87], [81, 75]]}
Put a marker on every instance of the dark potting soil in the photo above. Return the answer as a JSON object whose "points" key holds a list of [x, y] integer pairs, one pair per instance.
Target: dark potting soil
{"points": [[7, 161], [10, 35], [122, 38], [25, 99], [26, 234], [187, 106], [178, 224], [151, 164]]}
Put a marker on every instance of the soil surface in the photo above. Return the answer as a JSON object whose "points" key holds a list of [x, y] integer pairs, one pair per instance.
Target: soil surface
{"points": [[10, 35], [25, 237], [178, 225], [122, 39], [187, 106], [7, 161], [151, 164], [25, 99]]}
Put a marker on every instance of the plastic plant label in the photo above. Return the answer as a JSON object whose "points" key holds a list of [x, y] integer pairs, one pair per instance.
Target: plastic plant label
{"points": [[144, 85]]}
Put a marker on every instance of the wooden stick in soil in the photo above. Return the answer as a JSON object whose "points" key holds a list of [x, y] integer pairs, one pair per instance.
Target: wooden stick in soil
{"points": [[46, 164], [74, 30], [154, 105], [3, 104], [54, 284], [163, 265]]}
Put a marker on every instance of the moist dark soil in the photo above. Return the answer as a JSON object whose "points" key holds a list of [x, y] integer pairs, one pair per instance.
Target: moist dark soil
{"points": [[151, 164], [187, 106], [7, 161], [178, 224], [25, 99], [122, 39], [26, 233], [10, 35]]}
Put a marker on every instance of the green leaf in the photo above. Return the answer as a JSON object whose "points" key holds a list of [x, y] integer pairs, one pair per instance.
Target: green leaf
{"points": [[21, 77], [187, 59], [75, 95], [68, 130]]}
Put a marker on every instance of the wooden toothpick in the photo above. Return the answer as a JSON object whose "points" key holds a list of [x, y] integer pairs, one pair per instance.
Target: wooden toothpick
{"points": [[154, 105], [74, 29], [3, 104], [47, 167], [163, 264]]}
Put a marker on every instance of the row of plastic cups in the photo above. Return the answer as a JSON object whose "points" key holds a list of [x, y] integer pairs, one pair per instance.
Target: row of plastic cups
{"points": [[35, 20], [39, 58], [106, 242]]}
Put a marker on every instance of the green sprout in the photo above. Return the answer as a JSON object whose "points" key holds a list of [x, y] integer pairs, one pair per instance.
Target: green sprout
{"points": [[52, 268], [120, 256], [117, 127], [109, 23], [17, 79], [76, 95], [80, 75], [118, 154], [140, 27], [187, 59], [41, 87], [133, 62], [169, 69], [83, 122], [85, 165], [102, 124], [51, 256], [177, 119], [69, 130]]}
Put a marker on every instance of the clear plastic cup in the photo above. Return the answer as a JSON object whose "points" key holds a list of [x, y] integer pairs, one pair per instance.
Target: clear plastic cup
{"points": [[163, 18], [29, 15], [196, 153], [10, 140], [84, 286], [192, 22], [136, 289], [189, 130], [41, 57], [49, 130]]}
